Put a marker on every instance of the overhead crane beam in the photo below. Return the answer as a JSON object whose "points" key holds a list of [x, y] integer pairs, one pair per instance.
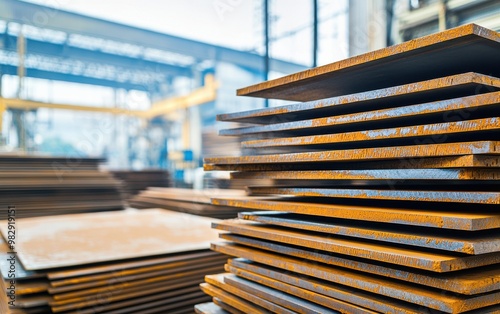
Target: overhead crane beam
{"points": [[199, 96]]}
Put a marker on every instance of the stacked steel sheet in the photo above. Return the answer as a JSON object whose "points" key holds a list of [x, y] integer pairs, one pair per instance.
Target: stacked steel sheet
{"points": [[195, 202], [149, 261], [136, 181], [390, 199], [41, 186]]}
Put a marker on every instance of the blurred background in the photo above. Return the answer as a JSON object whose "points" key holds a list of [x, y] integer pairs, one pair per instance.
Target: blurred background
{"points": [[140, 83]]}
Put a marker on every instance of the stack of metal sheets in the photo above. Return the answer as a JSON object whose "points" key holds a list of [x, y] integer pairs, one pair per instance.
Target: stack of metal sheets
{"points": [[136, 181], [196, 202], [41, 186], [389, 200], [149, 261]]}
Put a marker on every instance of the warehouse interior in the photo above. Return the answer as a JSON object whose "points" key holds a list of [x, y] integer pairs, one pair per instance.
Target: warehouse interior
{"points": [[249, 156]]}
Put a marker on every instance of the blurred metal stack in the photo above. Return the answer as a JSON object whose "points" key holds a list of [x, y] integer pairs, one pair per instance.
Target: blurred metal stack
{"points": [[136, 181], [390, 199], [195, 202], [149, 261], [41, 186]]}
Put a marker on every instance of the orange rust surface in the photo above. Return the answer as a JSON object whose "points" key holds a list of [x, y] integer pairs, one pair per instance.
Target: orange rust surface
{"points": [[470, 282], [438, 130], [468, 197], [401, 290], [378, 174], [100, 237], [382, 252], [433, 217], [381, 63], [379, 153], [327, 295], [264, 115]]}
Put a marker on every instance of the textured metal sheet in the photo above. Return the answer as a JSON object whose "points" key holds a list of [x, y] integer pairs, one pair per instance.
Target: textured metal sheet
{"points": [[487, 198], [375, 174], [209, 308], [450, 110], [463, 242], [87, 238], [423, 296], [379, 153], [462, 49], [382, 252], [468, 161], [247, 305], [305, 304], [459, 85], [320, 292], [279, 292], [227, 307], [470, 282], [432, 133], [442, 217]]}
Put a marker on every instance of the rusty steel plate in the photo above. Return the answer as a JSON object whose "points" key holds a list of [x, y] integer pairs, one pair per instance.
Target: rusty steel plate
{"points": [[189, 195], [463, 242], [454, 86], [324, 293], [368, 154], [209, 308], [433, 133], [88, 238], [486, 198], [374, 174], [243, 301], [94, 287], [400, 290], [469, 282], [458, 50], [305, 303], [88, 273], [431, 217], [302, 300], [450, 110], [220, 281], [227, 307], [413, 257], [169, 292]]}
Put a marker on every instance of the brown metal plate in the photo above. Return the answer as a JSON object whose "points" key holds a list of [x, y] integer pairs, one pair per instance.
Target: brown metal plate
{"points": [[454, 86], [469, 282], [87, 238], [337, 297], [412, 257], [458, 50], [242, 304], [431, 217], [462, 242]]}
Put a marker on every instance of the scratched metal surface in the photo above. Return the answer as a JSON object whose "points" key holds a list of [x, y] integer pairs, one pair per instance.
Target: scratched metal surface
{"points": [[313, 289], [442, 132], [454, 86], [476, 106], [484, 198], [413, 257], [429, 217], [216, 287], [462, 242], [209, 308], [91, 238], [423, 296], [468, 282], [374, 174], [379, 153], [458, 50], [467, 161], [299, 304]]}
